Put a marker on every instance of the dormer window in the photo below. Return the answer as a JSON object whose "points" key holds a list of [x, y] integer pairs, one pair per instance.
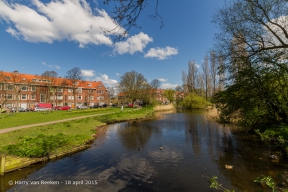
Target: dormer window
{"points": [[89, 84]]}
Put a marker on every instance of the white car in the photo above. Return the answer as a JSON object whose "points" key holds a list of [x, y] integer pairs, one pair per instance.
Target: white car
{"points": [[40, 109]]}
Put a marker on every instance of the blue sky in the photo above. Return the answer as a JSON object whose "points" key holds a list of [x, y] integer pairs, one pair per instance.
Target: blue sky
{"points": [[38, 35]]}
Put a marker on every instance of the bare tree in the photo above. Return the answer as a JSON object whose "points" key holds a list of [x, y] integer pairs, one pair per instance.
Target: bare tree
{"points": [[126, 13], [3, 88], [132, 84], [191, 77], [184, 82], [255, 29], [205, 68], [49, 79], [75, 81], [201, 85], [213, 70], [111, 93], [17, 81]]}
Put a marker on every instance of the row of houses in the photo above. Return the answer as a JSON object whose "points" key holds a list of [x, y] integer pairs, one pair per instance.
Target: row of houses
{"points": [[25, 90]]}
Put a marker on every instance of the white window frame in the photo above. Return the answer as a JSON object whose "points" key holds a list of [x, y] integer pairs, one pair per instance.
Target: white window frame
{"points": [[59, 90], [25, 87], [79, 90], [26, 97], [9, 86], [70, 90], [79, 97], [7, 97], [33, 97], [91, 97], [33, 88], [70, 97]]}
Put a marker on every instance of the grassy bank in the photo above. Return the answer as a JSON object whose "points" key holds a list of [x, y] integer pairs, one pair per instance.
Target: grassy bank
{"points": [[56, 138], [19, 119]]}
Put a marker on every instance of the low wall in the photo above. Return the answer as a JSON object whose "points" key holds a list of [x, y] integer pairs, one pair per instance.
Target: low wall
{"points": [[163, 107], [10, 163]]}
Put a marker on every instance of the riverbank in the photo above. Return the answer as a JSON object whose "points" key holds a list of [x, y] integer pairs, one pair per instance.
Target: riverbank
{"points": [[50, 141]]}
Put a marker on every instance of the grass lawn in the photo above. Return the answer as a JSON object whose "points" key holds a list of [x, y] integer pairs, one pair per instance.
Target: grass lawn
{"points": [[59, 137], [26, 118]]}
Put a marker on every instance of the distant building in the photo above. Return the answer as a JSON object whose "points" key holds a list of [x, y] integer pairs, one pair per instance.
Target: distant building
{"points": [[33, 89]]}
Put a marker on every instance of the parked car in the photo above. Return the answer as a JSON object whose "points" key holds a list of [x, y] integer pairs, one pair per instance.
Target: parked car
{"points": [[40, 109], [22, 109], [114, 105], [62, 108], [94, 106], [104, 105], [82, 107]]}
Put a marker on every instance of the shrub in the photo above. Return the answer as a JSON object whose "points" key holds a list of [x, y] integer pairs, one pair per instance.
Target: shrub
{"points": [[36, 147], [195, 101]]}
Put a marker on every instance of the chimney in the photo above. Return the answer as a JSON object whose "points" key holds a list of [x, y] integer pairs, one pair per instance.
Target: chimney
{"points": [[16, 72]]}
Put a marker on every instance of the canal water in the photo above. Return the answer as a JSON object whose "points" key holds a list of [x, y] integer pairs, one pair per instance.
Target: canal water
{"points": [[127, 157]]}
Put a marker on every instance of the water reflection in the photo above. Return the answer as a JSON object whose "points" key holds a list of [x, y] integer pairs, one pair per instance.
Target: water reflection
{"points": [[194, 148], [134, 136]]}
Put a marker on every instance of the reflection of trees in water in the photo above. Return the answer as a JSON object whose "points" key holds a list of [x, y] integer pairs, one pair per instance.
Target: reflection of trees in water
{"points": [[135, 135], [249, 158]]}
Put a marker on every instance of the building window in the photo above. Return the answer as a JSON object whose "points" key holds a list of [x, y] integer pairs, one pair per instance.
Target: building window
{"points": [[70, 90], [9, 97], [100, 91], [33, 88], [24, 88], [59, 90], [70, 97], [10, 87], [59, 97], [42, 98], [79, 90], [0, 87], [23, 97], [100, 86], [33, 97], [79, 97], [89, 84], [91, 97], [90, 91], [0, 96]]}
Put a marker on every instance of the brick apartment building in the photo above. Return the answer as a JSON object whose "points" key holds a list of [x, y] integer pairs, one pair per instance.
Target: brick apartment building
{"points": [[33, 89]]}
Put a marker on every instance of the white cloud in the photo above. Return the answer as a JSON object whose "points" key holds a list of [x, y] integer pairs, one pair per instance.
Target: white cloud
{"points": [[51, 66], [106, 81], [198, 66], [13, 32], [117, 74], [88, 73], [163, 80], [168, 86], [58, 20], [133, 44], [161, 53]]}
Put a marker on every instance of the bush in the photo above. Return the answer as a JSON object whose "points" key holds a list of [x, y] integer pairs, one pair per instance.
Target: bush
{"points": [[195, 101], [36, 147]]}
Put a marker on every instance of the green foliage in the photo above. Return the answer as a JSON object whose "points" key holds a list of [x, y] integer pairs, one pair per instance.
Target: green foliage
{"points": [[36, 147], [195, 101], [216, 185], [268, 181], [169, 94]]}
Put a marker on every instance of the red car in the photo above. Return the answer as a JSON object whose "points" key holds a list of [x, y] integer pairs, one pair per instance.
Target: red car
{"points": [[62, 108]]}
